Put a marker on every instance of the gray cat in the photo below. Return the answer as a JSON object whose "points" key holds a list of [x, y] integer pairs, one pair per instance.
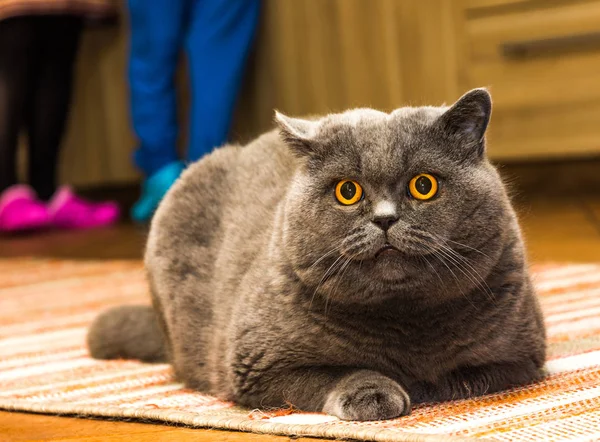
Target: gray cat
{"points": [[354, 264]]}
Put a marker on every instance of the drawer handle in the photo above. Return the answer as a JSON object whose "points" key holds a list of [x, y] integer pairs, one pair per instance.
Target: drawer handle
{"points": [[549, 46]]}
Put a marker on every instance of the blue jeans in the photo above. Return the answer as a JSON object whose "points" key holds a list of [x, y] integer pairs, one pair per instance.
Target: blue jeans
{"points": [[216, 34]]}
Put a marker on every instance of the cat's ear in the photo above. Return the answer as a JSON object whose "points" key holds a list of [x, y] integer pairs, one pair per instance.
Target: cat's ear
{"points": [[297, 133], [467, 120]]}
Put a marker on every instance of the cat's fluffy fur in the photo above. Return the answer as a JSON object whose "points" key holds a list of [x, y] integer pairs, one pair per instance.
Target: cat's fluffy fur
{"points": [[268, 292]]}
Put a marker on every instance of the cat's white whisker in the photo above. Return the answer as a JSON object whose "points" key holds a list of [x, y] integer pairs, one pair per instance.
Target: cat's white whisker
{"points": [[460, 267], [467, 269], [463, 245], [336, 249], [325, 276], [341, 272], [433, 251], [436, 273]]}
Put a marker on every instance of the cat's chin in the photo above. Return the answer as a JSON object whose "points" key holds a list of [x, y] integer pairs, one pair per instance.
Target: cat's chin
{"points": [[390, 265], [393, 266], [387, 251]]}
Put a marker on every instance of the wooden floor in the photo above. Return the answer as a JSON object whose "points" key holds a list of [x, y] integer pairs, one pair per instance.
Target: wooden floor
{"points": [[564, 229]]}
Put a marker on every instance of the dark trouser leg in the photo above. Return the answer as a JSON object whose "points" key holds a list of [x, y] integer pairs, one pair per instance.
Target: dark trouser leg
{"points": [[48, 108], [17, 55]]}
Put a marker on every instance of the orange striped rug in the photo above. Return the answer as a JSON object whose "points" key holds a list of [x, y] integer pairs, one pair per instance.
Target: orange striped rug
{"points": [[45, 307]]}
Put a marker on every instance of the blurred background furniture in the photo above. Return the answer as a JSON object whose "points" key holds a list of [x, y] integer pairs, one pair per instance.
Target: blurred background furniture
{"points": [[540, 58]]}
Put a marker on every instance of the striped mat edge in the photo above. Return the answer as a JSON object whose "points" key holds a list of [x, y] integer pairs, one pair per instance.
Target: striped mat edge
{"points": [[46, 306]]}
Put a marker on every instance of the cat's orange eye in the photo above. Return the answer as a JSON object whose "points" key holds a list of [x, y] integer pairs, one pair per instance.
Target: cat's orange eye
{"points": [[348, 192], [423, 186]]}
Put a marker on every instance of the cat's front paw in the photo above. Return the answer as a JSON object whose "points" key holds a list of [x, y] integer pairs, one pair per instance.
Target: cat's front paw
{"points": [[367, 396]]}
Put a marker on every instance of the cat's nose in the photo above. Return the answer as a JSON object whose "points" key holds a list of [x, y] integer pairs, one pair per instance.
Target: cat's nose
{"points": [[385, 222]]}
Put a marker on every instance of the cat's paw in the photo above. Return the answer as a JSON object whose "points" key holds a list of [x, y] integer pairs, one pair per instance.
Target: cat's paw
{"points": [[367, 396]]}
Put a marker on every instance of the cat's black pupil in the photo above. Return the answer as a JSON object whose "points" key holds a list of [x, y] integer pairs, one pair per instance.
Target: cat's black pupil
{"points": [[348, 190], [423, 185]]}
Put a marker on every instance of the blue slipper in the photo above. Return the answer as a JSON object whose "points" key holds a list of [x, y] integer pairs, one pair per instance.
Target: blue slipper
{"points": [[154, 189]]}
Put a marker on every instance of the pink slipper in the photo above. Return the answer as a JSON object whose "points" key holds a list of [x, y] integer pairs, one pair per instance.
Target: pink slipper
{"points": [[21, 210], [68, 211]]}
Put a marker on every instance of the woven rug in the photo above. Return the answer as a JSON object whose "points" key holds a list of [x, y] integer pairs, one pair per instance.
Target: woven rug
{"points": [[46, 306]]}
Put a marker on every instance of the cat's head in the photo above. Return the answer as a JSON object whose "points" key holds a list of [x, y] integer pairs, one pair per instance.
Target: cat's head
{"points": [[394, 204]]}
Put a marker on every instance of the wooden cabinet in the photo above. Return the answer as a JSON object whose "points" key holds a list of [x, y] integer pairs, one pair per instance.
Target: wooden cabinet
{"points": [[540, 58]]}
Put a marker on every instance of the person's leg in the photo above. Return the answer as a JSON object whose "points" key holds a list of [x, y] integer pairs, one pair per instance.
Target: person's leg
{"points": [[218, 41], [51, 98], [46, 116], [17, 56], [157, 34]]}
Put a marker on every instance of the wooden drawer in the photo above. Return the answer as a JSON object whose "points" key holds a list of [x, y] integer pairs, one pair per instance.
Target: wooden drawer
{"points": [[541, 60], [561, 65]]}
